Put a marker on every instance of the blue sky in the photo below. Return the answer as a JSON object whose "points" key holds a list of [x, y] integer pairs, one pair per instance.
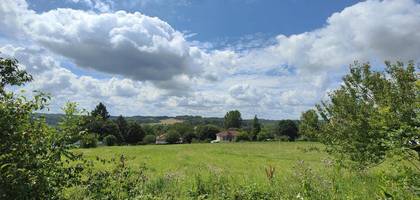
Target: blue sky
{"points": [[215, 20], [272, 58]]}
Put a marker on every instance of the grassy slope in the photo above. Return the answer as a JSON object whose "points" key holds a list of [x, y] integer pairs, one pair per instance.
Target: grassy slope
{"points": [[241, 161]]}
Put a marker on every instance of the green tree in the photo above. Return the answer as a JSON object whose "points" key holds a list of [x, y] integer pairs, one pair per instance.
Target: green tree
{"points": [[256, 128], [204, 132], [232, 119], [135, 133], [33, 156], [309, 125], [372, 115], [102, 127], [71, 123], [122, 126], [100, 111], [172, 137], [11, 74], [287, 128]]}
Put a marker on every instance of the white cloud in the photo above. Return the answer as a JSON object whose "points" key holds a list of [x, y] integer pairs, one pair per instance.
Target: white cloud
{"points": [[128, 44], [155, 70]]}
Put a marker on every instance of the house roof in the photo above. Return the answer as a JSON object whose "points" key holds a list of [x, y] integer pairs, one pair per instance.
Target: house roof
{"points": [[229, 132]]}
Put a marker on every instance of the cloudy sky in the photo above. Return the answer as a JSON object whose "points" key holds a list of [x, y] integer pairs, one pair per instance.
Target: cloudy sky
{"points": [[202, 57]]}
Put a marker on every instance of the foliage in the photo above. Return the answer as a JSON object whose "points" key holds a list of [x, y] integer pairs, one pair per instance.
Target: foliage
{"points": [[122, 126], [372, 115], [100, 111], [186, 131], [172, 137], [256, 128], [33, 156], [102, 127], [309, 125], [232, 119], [243, 136], [89, 140], [71, 123], [149, 139], [11, 74], [265, 134], [287, 128], [110, 140], [188, 137], [135, 133], [204, 132]]}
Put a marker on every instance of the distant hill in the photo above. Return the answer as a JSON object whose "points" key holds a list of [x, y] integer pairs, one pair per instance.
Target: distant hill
{"points": [[53, 119]]}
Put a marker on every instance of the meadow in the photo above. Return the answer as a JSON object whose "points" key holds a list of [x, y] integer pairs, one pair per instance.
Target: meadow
{"points": [[241, 161], [243, 170]]}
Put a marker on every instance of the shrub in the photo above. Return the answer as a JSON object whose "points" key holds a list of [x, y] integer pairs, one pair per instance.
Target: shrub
{"points": [[110, 140], [242, 136], [172, 137], [283, 138], [188, 137], [264, 135], [149, 139], [33, 156], [89, 141]]}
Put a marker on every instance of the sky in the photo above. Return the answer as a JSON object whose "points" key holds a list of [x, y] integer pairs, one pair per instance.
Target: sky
{"points": [[271, 58]]}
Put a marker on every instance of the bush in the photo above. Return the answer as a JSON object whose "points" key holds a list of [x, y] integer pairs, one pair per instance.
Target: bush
{"points": [[149, 139], [264, 135], [110, 140], [33, 156], [89, 141], [283, 138], [242, 136], [172, 137], [188, 137]]}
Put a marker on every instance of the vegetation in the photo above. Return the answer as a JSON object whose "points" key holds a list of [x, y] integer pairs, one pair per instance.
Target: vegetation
{"points": [[89, 140], [173, 137], [149, 139], [287, 128], [232, 119], [100, 111], [370, 127], [256, 128], [373, 115], [135, 133], [110, 140], [33, 155], [309, 125]]}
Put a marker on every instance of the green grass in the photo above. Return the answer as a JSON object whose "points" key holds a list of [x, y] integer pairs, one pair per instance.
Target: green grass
{"points": [[241, 161], [186, 170]]}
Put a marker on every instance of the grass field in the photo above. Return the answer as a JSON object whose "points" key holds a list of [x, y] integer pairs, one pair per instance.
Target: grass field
{"points": [[226, 170], [242, 161]]}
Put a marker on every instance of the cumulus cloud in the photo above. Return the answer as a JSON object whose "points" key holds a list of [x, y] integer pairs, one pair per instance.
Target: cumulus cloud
{"points": [[128, 44], [155, 67]]}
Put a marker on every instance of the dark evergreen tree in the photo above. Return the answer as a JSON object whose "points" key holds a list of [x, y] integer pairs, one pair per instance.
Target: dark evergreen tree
{"points": [[233, 119], [256, 127], [135, 133], [287, 128], [100, 111], [122, 126]]}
